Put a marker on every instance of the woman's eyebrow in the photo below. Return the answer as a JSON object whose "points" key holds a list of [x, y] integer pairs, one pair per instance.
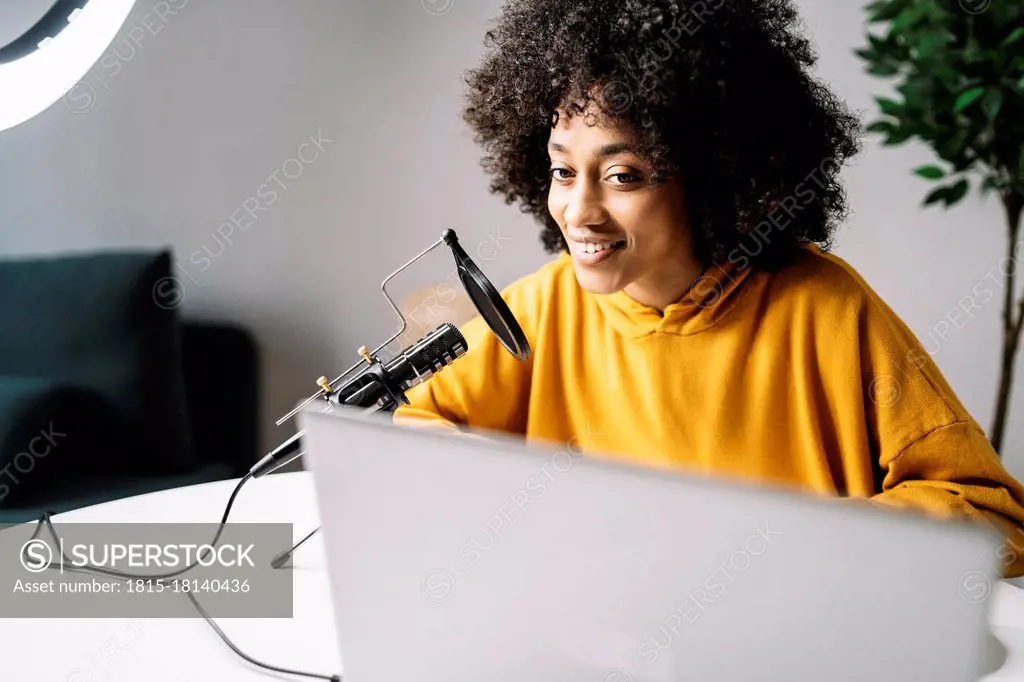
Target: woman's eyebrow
{"points": [[603, 151]]}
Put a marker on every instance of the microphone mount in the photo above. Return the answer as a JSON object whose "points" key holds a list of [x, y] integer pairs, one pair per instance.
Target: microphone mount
{"points": [[384, 385], [379, 386], [330, 388]]}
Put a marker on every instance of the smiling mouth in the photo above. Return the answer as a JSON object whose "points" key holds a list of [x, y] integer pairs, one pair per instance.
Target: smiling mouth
{"points": [[590, 247]]}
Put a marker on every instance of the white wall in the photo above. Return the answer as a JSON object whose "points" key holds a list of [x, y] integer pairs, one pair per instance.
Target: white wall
{"points": [[169, 137], [188, 126]]}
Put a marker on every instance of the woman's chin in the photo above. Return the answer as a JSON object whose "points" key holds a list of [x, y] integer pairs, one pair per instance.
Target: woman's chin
{"points": [[596, 283]]}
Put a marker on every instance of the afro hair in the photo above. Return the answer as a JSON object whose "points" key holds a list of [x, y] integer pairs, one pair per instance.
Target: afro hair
{"points": [[716, 93]]}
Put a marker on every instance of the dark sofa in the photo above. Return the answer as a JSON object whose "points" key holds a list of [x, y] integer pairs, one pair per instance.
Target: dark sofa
{"points": [[221, 389], [110, 391]]}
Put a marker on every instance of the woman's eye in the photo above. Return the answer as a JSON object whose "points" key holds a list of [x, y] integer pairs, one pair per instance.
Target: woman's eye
{"points": [[555, 173], [625, 178]]}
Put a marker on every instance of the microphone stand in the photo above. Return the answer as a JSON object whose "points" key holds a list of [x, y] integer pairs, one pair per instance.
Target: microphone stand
{"points": [[491, 307], [290, 449], [327, 388], [282, 557]]}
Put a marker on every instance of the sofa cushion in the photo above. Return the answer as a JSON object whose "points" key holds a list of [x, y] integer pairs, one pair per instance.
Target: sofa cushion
{"points": [[30, 432], [106, 325], [48, 431]]}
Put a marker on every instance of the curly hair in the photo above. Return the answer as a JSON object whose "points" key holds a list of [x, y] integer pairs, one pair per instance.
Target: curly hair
{"points": [[716, 93]]}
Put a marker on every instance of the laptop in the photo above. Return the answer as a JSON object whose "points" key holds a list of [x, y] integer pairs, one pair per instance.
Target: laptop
{"points": [[459, 559]]}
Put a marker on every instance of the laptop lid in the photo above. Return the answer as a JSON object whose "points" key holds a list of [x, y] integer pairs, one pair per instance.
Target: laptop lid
{"points": [[455, 558]]}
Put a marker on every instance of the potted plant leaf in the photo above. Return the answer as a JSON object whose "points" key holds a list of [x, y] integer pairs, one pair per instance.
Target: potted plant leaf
{"points": [[957, 68]]}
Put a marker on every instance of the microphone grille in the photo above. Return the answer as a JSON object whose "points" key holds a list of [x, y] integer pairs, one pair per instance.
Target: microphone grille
{"points": [[456, 335], [435, 351]]}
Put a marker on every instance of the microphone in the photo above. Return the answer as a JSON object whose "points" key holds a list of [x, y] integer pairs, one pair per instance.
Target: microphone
{"points": [[381, 386], [384, 385]]}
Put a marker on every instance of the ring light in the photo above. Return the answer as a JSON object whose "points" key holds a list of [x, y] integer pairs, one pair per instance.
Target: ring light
{"points": [[42, 65]]}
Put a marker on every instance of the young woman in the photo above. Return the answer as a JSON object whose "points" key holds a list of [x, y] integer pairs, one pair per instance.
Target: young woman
{"points": [[685, 167]]}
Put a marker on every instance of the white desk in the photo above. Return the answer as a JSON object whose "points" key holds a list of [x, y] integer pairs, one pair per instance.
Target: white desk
{"points": [[187, 650]]}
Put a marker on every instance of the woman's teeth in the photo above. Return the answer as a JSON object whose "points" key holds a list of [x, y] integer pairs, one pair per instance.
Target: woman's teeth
{"points": [[595, 248]]}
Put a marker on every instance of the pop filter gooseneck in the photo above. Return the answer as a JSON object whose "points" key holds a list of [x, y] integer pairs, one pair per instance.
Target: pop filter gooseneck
{"points": [[488, 302]]}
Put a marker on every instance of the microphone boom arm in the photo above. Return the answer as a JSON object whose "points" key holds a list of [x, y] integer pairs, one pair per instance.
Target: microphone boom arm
{"points": [[386, 391], [448, 237], [377, 387]]}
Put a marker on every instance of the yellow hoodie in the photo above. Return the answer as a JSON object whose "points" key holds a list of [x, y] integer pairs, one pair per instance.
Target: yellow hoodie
{"points": [[801, 378]]}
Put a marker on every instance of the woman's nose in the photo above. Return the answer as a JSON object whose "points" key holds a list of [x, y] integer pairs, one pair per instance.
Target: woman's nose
{"points": [[584, 206]]}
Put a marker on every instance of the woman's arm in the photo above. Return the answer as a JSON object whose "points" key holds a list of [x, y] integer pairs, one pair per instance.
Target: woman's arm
{"points": [[487, 387], [954, 472], [932, 455]]}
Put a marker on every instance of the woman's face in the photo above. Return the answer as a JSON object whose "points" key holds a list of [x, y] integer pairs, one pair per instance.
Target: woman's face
{"points": [[622, 232]]}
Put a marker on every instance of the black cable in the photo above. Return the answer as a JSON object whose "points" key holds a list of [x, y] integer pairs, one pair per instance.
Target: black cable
{"points": [[158, 577], [44, 520], [250, 659]]}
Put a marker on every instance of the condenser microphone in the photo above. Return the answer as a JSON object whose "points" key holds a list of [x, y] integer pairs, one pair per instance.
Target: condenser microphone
{"points": [[382, 385]]}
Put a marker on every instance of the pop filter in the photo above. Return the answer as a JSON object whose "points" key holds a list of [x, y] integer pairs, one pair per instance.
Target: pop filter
{"points": [[488, 301], [381, 385]]}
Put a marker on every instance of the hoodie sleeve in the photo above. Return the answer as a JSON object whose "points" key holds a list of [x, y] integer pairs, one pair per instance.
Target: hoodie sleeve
{"points": [[954, 472], [930, 454], [487, 387]]}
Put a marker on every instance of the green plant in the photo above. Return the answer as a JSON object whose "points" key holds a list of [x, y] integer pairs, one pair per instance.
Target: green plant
{"points": [[958, 69]]}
